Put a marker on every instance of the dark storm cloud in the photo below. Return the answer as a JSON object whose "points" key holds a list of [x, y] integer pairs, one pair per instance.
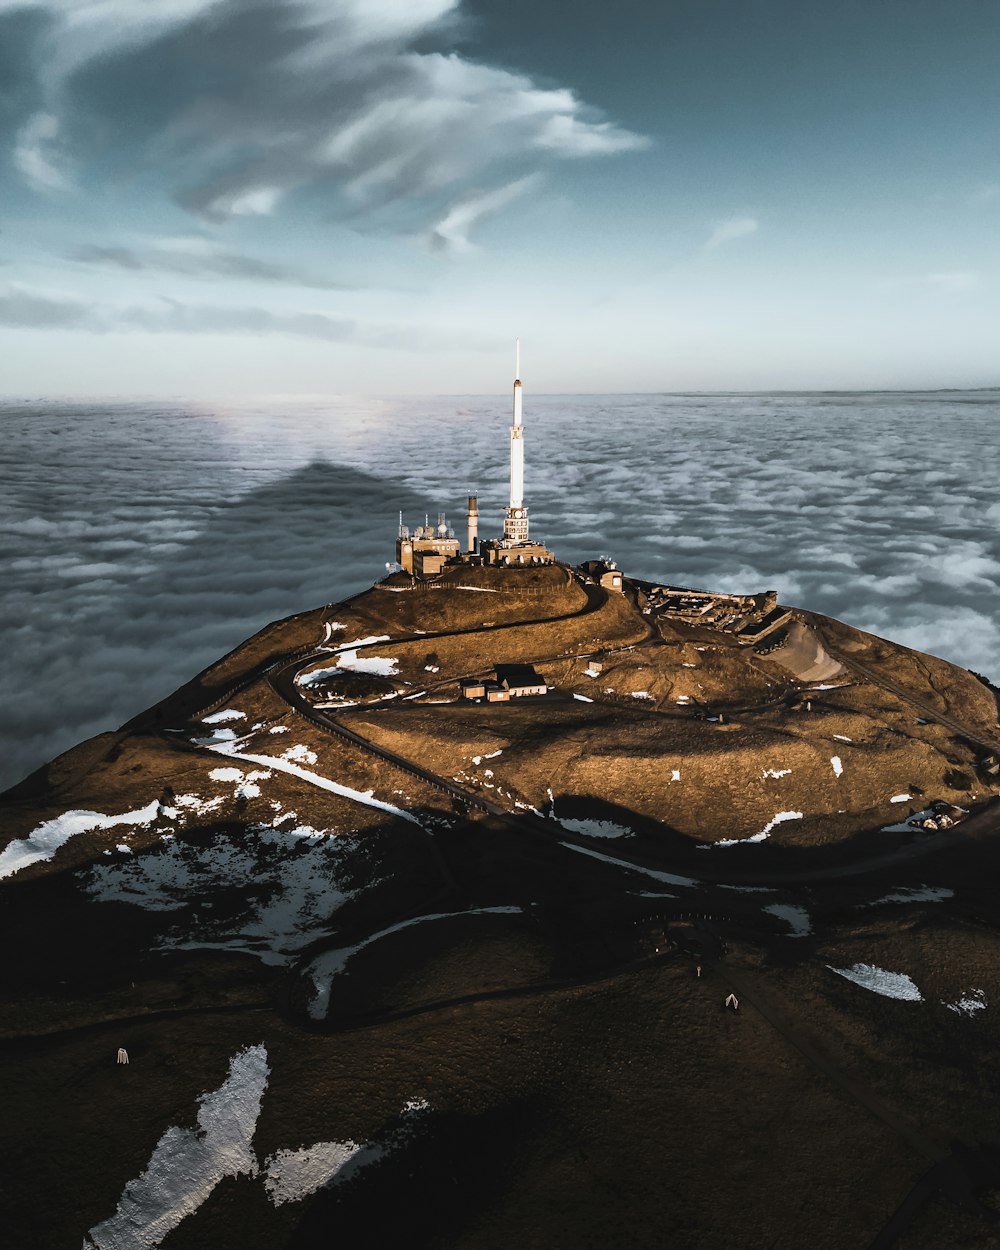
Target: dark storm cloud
{"points": [[231, 107], [197, 258]]}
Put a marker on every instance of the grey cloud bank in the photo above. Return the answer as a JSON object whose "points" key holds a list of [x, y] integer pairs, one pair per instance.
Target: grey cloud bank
{"points": [[141, 542]]}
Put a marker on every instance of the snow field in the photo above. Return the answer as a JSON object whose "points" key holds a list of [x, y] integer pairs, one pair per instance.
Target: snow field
{"points": [[283, 888]]}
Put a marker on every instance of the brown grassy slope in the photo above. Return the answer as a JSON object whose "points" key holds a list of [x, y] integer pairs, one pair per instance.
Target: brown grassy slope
{"points": [[944, 686]]}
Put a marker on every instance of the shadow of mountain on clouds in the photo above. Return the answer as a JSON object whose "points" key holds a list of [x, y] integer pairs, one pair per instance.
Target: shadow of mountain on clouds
{"points": [[318, 535]]}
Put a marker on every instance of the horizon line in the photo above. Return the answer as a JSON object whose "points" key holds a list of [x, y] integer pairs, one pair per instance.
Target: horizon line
{"points": [[319, 395]]}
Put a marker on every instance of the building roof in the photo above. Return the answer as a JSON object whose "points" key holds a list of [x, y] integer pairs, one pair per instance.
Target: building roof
{"points": [[519, 675]]}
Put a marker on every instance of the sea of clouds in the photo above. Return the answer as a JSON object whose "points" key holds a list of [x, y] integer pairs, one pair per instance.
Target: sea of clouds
{"points": [[142, 541]]}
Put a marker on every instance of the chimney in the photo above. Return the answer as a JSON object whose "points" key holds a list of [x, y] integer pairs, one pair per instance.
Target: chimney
{"points": [[473, 523]]}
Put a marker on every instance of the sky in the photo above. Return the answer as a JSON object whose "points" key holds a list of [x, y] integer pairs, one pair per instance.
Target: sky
{"points": [[293, 197]]}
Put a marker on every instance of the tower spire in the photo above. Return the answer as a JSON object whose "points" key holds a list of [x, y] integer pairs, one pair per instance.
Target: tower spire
{"points": [[515, 525]]}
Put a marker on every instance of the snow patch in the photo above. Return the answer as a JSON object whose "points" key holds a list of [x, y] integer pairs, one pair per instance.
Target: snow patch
{"points": [[777, 819], [379, 665], [970, 1002], [292, 1175], [228, 713], [841, 738], [596, 828], [583, 698], [295, 1174], [879, 981], [187, 1164], [43, 841], [300, 754], [330, 964], [323, 783], [921, 894], [217, 735], [668, 878], [797, 918], [775, 772], [198, 806], [837, 765], [900, 798]]}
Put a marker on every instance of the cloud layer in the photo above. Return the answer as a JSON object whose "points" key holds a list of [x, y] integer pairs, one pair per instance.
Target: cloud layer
{"points": [[143, 542]]}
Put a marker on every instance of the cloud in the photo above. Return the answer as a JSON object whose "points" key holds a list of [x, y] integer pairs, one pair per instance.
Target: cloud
{"points": [[21, 309], [34, 154], [961, 280], [29, 310], [451, 233], [196, 257], [727, 231], [987, 194], [233, 108]]}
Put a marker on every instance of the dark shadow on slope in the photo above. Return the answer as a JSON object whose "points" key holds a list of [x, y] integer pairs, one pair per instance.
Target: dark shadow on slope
{"points": [[444, 1175]]}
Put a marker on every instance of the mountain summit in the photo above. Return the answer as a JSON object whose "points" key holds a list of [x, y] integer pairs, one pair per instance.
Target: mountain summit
{"points": [[528, 906]]}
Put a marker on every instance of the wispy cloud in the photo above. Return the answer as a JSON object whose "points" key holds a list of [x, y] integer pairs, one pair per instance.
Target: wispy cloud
{"points": [[958, 280], [35, 310], [22, 308], [36, 156], [196, 257], [988, 194], [239, 106], [451, 233], [729, 230]]}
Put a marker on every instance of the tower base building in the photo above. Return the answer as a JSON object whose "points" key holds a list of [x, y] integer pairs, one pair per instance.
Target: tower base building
{"points": [[425, 551], [500, 551]]}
